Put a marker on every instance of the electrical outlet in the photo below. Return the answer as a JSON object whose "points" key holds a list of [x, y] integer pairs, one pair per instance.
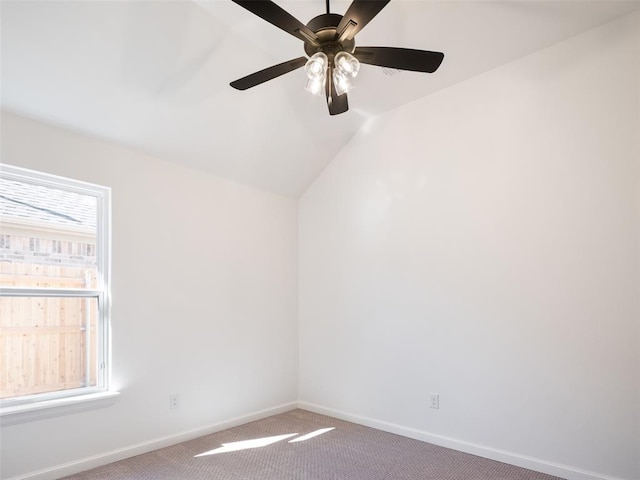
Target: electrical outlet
{"points": [[434, 401], [173, 401]]}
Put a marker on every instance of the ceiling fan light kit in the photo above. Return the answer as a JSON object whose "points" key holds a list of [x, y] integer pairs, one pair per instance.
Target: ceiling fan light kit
{"points": [[333, 60]]}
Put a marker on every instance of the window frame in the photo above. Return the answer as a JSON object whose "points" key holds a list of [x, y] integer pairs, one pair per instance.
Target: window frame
{"points": [[64, 398]]}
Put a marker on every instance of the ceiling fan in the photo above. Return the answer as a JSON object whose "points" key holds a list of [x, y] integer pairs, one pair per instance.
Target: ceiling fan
{"points": [[333, 58]]}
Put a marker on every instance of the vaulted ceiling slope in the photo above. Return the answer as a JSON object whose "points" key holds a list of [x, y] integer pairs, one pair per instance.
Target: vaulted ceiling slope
{"points": [[155, 75]]}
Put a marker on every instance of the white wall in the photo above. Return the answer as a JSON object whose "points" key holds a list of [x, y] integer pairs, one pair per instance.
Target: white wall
{"points": [[204, 299], [482, 243]]}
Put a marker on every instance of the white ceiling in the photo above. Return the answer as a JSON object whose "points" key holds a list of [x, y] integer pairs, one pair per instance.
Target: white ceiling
{"points": [[154, 75]]}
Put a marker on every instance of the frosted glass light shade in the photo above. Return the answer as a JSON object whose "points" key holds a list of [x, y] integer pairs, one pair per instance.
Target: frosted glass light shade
{"points": [[317, 65], [342, 82], [315, 86], [347, 64]]}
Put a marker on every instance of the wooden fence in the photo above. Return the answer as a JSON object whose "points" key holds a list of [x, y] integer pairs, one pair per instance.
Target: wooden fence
{"points": [[45, 341]]}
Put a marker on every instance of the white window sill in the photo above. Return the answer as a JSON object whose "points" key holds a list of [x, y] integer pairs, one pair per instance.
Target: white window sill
{"points": [[53, 408]]}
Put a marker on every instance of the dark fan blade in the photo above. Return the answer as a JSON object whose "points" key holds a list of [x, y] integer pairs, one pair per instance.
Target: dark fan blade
{"points": [[275, 15], [359, 13], [400, 58], [337, 104], [268, 74]]}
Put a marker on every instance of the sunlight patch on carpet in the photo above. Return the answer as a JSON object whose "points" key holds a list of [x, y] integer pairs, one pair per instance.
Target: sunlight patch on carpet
{"points": [[311, 435], [246, 444]]}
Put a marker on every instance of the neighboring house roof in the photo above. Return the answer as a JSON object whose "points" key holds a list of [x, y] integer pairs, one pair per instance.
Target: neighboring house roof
{"points": [[46, 205]]}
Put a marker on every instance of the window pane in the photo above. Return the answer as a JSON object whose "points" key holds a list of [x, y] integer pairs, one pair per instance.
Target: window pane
{"points": [[47, 343], [48, 237]]}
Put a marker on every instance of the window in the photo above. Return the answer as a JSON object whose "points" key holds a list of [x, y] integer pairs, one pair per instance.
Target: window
{"points": [[54, 305]]}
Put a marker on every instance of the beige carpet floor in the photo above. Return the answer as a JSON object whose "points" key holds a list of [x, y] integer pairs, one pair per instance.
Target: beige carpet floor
{"points": [[267, 450]]}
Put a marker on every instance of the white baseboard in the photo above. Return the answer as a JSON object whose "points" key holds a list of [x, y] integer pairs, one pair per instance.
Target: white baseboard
{"points": [[81, 465], [550, 468], [539, 465]]}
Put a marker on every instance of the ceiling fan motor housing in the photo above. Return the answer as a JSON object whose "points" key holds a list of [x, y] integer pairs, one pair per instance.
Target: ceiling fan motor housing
{"points": [[325, 27]]}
